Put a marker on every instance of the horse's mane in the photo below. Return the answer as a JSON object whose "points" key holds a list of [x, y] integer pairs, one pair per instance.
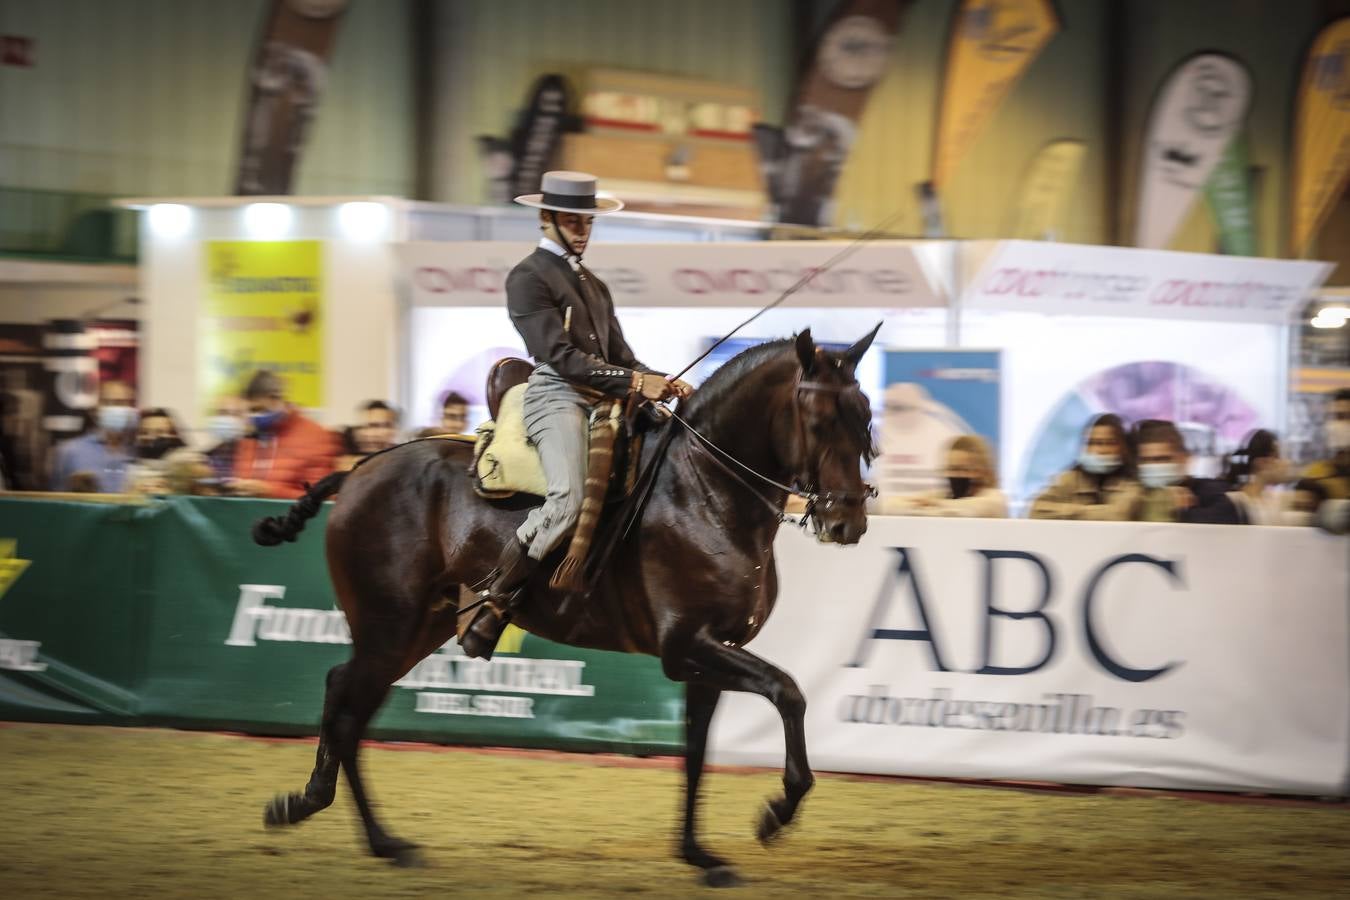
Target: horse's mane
{"points": [[854, 410], [720, 384]]}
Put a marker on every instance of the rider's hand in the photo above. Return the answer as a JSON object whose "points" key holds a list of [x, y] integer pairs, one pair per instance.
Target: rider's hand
{"points": [[654, 387], [682, 389]]}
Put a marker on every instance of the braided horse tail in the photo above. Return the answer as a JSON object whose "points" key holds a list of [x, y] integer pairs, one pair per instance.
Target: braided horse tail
{"points": [[272, 530]]}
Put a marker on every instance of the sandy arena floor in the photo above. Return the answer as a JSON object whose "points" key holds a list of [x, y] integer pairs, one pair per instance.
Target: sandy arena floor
{"points": [[105, 812]]}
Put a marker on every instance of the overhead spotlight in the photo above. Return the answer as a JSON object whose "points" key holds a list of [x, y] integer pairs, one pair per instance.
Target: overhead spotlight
{"points": [[169, 220], [363, 220], [1331, 317], [267, 220]]}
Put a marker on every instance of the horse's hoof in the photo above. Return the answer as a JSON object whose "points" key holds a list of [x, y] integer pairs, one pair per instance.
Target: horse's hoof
{"points": [[404, 854], [721, 877], [408, 858], [277, 812], [770, 826]]}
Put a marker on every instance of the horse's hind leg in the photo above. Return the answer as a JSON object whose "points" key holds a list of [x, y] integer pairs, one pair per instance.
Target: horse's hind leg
{"points": [[294, 808], [368, 683]]}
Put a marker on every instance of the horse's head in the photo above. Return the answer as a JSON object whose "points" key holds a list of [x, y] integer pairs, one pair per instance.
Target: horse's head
{"points": [[834, 437]]}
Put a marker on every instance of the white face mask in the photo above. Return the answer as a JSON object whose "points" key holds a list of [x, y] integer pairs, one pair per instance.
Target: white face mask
{"points": [[1338, 435], [226, 428], [117, 418]]}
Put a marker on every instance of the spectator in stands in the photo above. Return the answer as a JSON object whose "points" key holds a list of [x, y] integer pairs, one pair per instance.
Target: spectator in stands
{"points": [[102, 455], [285, 451], [157, 434], [377, 430], [1255, 472], [972, 486], [1101, 486], [454, 416], [226, 428], [187, 471], [1333, 473], [1169, 493]]}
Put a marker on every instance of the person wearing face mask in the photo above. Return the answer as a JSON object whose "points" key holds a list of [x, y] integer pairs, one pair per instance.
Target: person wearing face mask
{"points": [[285, 450], [103, 454], [1169, 493], [1101, 486], [1333, 473], [157, 435], [1255, 473], [971, 491], [227, 426]]}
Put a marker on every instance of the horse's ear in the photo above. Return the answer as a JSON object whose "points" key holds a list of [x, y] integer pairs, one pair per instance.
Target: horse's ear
{"points": [[855, 353], [806, 350]]}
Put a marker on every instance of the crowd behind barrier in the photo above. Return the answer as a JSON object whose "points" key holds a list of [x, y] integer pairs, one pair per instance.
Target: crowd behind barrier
{"points": [[259, 445]]}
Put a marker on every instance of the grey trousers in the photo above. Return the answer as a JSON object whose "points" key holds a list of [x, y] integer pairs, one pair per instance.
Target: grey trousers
{"points": [[556, 420]]}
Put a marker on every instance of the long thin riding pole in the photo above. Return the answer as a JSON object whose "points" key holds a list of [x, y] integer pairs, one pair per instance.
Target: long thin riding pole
{"points": [[801, 283]]}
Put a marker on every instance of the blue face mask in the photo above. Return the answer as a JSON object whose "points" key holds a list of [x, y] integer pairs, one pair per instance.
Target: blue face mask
{"points": [[1097, 464], [267, 421], [117, 418], [1158, 475]]}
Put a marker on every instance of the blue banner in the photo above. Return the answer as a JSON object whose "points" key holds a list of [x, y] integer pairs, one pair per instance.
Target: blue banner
{"points": [[931, 397]]}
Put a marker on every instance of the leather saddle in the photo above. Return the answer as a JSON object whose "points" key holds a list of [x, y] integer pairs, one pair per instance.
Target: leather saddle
{"points": [[507, 434], [504, 375]]}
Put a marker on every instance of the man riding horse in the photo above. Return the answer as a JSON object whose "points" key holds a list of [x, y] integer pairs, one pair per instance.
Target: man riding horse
{"points": [[565, 315]]}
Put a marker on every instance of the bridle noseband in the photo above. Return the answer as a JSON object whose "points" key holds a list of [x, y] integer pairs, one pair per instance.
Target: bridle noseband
{"points": [[827, 498]]}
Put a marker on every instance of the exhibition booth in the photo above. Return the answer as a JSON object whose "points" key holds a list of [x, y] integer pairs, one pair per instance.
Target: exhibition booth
{"points": [[361, 298]]}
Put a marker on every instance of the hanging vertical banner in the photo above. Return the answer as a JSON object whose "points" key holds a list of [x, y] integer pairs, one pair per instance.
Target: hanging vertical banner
{"points": [[992, 44], [1321, 133], [801, 163], [1196, 115], [1040, 211], [263, 310], [286, 81], [1229, 195]]}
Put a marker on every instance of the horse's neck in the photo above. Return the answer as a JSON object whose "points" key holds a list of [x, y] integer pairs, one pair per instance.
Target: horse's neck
{"points": [[748, 425]]}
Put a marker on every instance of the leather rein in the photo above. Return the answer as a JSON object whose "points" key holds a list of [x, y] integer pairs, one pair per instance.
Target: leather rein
{"points": [[813, 496]]}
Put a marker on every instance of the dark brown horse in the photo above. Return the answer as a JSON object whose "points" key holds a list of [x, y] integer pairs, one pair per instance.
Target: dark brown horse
{"points": [[692, 583]]}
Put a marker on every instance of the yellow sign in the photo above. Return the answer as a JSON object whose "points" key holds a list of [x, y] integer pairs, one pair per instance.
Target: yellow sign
{"points": [[1321, 133], [263, 310], [11, 567], [993, 43], [1045, 192]]}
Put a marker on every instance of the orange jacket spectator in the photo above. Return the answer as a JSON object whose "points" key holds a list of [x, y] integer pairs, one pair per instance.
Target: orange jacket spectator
{"points": [[278, 463]]}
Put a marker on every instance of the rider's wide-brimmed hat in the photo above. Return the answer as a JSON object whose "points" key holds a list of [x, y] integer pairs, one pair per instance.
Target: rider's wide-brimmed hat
{"points": [[572, 192]]}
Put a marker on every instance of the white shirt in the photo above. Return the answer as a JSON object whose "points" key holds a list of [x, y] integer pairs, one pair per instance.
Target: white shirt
{"points": [[557, 249]]}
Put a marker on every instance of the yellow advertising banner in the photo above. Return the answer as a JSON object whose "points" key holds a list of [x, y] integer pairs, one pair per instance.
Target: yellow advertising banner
{"points": [[263, 310], [1040, 211], [992, 44], [1321, 133]]}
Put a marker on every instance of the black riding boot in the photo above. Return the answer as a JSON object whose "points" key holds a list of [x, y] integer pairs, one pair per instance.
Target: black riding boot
{"points": [[513, 570]]}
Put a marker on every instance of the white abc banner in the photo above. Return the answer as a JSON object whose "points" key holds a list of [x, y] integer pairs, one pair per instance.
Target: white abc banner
{"points": [[1199, 110], [880, 274], [1165, 656], [1078, 279]]}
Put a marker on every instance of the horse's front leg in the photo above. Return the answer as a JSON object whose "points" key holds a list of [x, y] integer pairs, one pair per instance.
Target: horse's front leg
{"points": [[700, 702], [715, 664]]}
